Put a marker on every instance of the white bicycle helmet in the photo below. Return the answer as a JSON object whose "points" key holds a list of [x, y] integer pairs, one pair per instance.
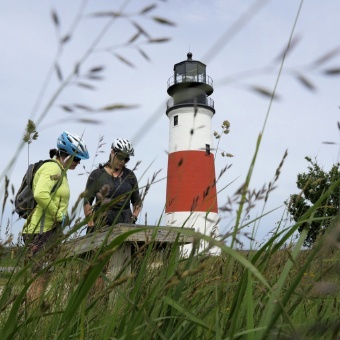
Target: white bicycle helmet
{"points": [[123, 145], [73, 145]]}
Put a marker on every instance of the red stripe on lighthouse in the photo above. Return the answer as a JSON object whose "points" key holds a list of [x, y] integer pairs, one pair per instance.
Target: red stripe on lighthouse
{"points": [[191, 184]]}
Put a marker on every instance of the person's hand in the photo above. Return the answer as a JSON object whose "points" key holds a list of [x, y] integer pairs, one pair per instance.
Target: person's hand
{"points": [[90, 223], [133, 219], [63, 220]]}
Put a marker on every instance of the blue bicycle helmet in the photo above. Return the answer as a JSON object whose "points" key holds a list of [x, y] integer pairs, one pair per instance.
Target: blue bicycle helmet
{"points": [[73, 145]]}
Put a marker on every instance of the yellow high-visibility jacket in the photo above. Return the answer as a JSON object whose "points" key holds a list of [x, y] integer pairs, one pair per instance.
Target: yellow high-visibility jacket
{"points": [[51, 206]]}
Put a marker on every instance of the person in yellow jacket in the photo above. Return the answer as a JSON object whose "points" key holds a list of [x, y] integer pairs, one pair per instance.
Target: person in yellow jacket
{"points": [[51, 192]]}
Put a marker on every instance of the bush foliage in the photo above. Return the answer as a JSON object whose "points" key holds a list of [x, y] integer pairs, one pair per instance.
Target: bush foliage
{"points": [[312, 185]]}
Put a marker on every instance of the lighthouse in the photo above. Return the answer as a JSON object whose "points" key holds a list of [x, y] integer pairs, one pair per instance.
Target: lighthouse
{"points": [[191, 195]]}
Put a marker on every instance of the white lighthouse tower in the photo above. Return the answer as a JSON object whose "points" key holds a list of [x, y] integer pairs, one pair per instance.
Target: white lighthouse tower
{"points": [[191, 199]]}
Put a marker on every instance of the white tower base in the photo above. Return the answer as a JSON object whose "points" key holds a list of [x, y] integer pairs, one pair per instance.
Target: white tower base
{"points": [[204, 223]]}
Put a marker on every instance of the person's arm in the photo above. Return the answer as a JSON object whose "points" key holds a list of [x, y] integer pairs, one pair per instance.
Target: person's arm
{"points": [[89, 197], [88, 213], [135, 212], [135, 199]]}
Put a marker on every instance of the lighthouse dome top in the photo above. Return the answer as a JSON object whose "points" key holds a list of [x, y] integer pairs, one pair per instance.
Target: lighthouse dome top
{"points": [[190, 73]]}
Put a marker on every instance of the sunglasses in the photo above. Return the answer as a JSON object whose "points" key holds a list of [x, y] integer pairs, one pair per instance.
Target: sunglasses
{"points": [[76, 159], [122, 158]]}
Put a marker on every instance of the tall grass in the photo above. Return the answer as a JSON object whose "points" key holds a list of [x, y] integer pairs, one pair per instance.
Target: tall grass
{"points": [[278, 291], [273, 292]]}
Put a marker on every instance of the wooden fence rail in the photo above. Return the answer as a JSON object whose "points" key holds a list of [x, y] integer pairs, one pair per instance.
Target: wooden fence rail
{"points": [[159, 238]]}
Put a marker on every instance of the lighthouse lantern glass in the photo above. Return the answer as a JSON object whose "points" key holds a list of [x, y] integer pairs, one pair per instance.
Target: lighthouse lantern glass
{"points": [[190, 71], [179, 73], [201, 73]]}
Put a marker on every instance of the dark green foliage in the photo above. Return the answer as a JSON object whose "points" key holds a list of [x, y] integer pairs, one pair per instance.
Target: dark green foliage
{"points": [[312, 185]]}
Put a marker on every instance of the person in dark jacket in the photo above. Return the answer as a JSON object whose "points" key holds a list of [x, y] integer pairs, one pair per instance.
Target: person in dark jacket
{"points": [[112, 189]]}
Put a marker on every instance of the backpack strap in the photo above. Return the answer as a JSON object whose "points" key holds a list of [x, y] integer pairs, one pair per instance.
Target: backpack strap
{"points": [[58, 184]]}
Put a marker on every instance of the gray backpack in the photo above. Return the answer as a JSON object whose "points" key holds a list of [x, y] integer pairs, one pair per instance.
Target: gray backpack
{"points": [[24, 201]]}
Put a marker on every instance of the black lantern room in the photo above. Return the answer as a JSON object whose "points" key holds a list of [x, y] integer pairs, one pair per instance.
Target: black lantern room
{"points": [[190, 84]]}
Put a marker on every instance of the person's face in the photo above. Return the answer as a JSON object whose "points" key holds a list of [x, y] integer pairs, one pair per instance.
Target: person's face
{"points": [[119, 159], [71, 163]]}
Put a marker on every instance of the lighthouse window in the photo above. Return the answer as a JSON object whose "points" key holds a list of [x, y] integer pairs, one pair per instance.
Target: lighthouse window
{"points": [[191, 72], [176, 120], [207, 149], [179, 72]]}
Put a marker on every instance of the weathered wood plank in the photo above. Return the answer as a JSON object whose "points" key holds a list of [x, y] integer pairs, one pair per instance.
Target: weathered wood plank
{"points": [[94, 240], [118, 261]]}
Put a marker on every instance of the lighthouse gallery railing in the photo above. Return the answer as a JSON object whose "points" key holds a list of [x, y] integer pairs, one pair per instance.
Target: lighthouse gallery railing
{"points": [[185, 77], [207, 101]]}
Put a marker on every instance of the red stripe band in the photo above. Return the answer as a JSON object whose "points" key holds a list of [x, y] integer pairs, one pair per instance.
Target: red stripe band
{"points": [[191, 183]]}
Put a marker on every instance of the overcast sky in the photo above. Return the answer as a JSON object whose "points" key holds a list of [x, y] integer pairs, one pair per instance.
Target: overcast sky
{"points": [[240, 41]]}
